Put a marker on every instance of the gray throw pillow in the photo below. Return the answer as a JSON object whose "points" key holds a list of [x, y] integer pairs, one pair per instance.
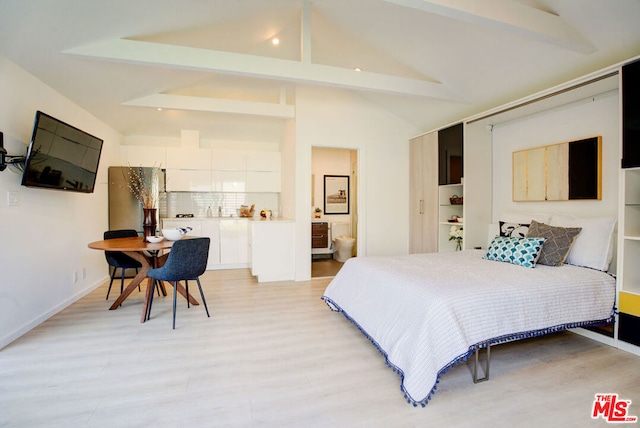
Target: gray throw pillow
{"points": [[558, 244]]}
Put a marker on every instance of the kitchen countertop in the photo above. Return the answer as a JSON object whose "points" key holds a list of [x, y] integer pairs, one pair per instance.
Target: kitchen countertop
{"points": [[253, 219]]}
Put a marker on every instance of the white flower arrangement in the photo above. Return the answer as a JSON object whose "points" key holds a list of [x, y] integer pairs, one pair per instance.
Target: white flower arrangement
{"points": [[456, 234]]}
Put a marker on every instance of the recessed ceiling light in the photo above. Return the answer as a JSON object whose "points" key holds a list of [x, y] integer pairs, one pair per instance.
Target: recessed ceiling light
{"points": [[159, 108], [357, 69], [275, 41]]}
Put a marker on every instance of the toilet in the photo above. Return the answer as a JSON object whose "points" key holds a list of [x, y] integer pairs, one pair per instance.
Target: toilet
{"points": [[342, 241]]}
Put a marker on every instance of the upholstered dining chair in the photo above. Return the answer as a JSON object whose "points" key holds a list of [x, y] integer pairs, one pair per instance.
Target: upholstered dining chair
{"points": [[119, 260], [187, 260]]}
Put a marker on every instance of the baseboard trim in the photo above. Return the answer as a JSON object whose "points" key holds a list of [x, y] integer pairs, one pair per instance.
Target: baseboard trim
{"points": [[14, 335]]}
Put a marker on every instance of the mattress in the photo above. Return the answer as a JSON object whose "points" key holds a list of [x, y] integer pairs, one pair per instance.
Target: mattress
{"points": [[429, 312]]}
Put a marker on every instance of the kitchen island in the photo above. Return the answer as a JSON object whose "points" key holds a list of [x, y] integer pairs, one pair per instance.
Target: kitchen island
{"points": [[266, 246]]}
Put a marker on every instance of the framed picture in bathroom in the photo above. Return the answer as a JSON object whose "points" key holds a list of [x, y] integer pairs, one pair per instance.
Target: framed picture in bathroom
{"points": [[336, 194]]}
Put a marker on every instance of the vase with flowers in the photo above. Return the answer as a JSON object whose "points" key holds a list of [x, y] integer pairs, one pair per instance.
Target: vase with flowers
{"points": [[145, 189], [456, 234]]}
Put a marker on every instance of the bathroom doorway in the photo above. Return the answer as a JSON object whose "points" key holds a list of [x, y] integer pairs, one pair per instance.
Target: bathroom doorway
{"points": [[330, 164]]}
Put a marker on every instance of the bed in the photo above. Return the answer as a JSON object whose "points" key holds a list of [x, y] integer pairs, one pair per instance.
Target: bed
{"points": [[427, 313]]}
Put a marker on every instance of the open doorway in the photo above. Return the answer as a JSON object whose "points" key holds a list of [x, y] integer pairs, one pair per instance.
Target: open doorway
{"points": [[334, 209]]}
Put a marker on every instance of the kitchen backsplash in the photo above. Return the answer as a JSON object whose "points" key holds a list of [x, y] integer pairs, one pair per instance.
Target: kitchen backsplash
{"points": [[196, 203]]}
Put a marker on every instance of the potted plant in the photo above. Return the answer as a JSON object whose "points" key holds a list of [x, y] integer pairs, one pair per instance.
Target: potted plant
{"points": [[144, 189], [318, 212], [456, 234]]}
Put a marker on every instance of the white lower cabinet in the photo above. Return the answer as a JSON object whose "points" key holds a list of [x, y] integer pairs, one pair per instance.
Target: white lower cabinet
{"points": [[211, 228], [267, 247], [273, 250], [207, 228], [234, 242]]}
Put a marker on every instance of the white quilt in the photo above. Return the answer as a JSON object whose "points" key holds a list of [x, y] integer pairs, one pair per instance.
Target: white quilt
{"points": [[426, 312]]}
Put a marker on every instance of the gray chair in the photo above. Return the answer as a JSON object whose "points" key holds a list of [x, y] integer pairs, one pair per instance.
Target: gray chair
{"points": [[187, 260], [119, 260]]}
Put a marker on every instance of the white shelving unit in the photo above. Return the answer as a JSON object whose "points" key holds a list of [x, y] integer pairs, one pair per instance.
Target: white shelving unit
{"points": [[631, 234], [628, 256], [447, 211]]}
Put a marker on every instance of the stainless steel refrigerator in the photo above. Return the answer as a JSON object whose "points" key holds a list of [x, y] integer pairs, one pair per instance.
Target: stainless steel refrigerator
{"points": [[125, 211]]}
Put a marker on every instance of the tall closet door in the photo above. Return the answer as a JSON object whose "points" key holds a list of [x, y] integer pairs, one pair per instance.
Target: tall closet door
{"points": [[423, 194]]}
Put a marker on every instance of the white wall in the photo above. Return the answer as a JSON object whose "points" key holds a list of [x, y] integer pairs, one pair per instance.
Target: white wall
{"points": [[332, 118], [44, 239], [288, 172], [575, 122]]}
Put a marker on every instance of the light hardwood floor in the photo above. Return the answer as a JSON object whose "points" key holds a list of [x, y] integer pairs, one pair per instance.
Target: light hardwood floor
{"points": [[275, 355]]}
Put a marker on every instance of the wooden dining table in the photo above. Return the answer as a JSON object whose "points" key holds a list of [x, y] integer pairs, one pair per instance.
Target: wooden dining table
{"points": [[148, 254]]}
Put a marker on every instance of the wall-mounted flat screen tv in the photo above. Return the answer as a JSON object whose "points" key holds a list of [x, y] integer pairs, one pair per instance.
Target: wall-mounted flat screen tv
{"points": [[61, 156]]}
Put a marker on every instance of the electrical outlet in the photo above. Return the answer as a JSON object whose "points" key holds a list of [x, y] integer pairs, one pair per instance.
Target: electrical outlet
{"points": [[75, 276], [13, 198], [84, 273]]}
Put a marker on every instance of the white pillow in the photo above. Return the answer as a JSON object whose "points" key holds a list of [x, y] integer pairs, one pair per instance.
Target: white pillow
{"points": [[594, 245], [492, 232], [524, 217]]}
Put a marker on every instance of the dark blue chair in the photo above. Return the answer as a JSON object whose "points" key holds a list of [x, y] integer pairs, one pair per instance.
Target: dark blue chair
{"points": [[119, 260], [187, 260]]}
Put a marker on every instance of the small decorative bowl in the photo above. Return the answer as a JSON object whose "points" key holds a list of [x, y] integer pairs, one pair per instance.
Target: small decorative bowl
{"points": [[155, 239], [172, 234]]}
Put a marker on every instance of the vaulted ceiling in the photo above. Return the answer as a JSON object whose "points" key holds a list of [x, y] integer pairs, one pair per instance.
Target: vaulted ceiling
{"points": [[211, 65]]}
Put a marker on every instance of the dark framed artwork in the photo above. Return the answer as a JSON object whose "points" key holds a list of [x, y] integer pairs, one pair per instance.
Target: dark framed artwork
{"points": [[336, 194]]}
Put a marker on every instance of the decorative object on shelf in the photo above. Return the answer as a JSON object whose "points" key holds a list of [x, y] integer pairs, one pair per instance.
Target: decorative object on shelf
{"points": [[455, 200], [456, 234], [266, 214], [336, 194], [245, 211], [454, 219], [317, 213]]}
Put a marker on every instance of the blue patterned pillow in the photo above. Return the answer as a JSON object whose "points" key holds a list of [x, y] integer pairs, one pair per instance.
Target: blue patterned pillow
{"points": [[518, 251]]}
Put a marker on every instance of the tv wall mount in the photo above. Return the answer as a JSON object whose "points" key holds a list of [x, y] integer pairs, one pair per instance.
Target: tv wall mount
{"points": [[6, 159]]}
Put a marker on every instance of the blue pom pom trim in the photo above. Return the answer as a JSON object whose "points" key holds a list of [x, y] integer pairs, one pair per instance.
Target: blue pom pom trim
{"points": [[473, 348]]}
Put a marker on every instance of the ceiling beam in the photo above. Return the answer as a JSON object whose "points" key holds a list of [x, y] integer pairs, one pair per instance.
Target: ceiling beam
{"points": [[508, 16], [214, 105], [163, 55], [305, 31]]}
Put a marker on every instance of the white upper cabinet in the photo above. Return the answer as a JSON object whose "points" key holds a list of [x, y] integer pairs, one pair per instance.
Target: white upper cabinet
{"points": [[229, 181], [188, 180], [263, 181], [264, 161], [194, 169], [228, 160], [144, 156], [188, 158]]}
